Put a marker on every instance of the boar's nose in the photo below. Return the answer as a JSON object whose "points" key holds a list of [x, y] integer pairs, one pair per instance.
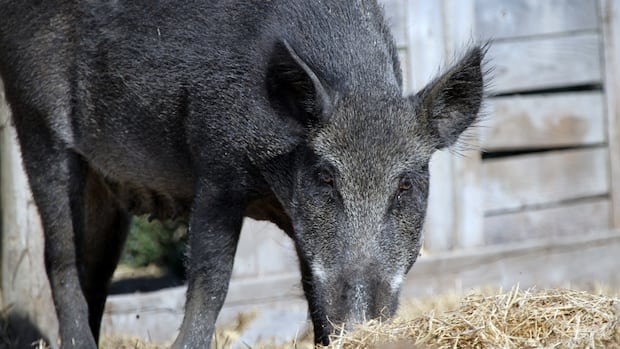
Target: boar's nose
{"points": [[355, 297], [365, 298]]}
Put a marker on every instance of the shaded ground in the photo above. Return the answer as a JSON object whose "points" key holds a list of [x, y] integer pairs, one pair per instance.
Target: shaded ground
{"points": [[144, 284], [17, 332], [145, 279]]}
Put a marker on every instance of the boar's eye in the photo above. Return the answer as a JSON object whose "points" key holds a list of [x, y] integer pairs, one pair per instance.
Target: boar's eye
{"points": [[326, 177], [405, 184]]}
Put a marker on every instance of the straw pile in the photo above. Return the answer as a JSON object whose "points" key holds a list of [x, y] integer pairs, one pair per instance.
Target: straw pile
{"points": [[556, 318]]}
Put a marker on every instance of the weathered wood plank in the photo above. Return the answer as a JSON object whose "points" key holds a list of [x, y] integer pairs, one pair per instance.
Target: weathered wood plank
{"points": [[522, 65], [518, 18], [263, 249], [570, 219], [516, 182], [275, 252], [157, 315], [546, 263], [154, 316], [611, 38], [557, 120]]}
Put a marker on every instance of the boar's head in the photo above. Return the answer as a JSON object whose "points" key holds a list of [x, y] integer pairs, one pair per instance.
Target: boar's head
{"points": [[356, 183]]}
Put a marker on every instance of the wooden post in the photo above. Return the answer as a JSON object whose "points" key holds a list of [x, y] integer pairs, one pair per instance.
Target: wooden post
{"points": [[610, 12], [455, 211], [25, 288], [467, 202], [426, 53]]}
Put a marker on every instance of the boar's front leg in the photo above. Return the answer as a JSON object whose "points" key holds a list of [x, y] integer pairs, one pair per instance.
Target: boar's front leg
{"points": [[57, 178], [214, 230]]}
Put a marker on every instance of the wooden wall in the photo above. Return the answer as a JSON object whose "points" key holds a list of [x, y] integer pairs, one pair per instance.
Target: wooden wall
{"points": [[546, 169], [532, 196]]}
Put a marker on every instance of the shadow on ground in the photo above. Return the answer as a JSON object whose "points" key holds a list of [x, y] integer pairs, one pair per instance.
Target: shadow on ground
{"points": [[144, 284], [17, 331]]}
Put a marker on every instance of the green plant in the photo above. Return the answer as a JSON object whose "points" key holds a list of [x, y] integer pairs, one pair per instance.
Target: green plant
{"points": [[154, 242]]}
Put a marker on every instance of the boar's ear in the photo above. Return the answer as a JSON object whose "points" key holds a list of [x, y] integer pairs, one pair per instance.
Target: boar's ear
{"points": [[450, 104], [294, 89]]}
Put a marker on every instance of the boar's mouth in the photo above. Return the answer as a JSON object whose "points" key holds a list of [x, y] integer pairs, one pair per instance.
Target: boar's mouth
{"points": [[346, 303], [324, 326]]}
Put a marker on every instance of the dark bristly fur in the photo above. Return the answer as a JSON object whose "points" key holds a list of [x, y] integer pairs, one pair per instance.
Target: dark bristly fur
{"points": [[284, 110]]}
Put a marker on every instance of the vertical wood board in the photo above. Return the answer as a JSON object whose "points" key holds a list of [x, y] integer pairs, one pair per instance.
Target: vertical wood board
{"points": [[468, 207], [611, 36], [395, 16], [425, 33], [425, 40], [404, 58]]}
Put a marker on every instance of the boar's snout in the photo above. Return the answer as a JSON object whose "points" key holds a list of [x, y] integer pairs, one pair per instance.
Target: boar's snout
{"points": [[353, 299]]}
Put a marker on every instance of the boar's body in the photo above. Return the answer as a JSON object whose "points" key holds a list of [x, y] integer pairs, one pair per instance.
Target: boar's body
{"points": [[290, 111]]}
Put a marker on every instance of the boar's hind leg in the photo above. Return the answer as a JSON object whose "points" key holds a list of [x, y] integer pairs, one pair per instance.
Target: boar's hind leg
{"points": [[56, 177], [213, 235], [107, 224]]}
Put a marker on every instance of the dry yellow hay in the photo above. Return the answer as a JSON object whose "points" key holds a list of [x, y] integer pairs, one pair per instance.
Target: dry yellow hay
{"points": [[556, 318], [116, 342]]}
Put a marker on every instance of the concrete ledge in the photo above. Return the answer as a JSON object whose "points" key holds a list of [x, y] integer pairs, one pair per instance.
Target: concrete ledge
{"points": [[282, 309], [557, 262]]}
